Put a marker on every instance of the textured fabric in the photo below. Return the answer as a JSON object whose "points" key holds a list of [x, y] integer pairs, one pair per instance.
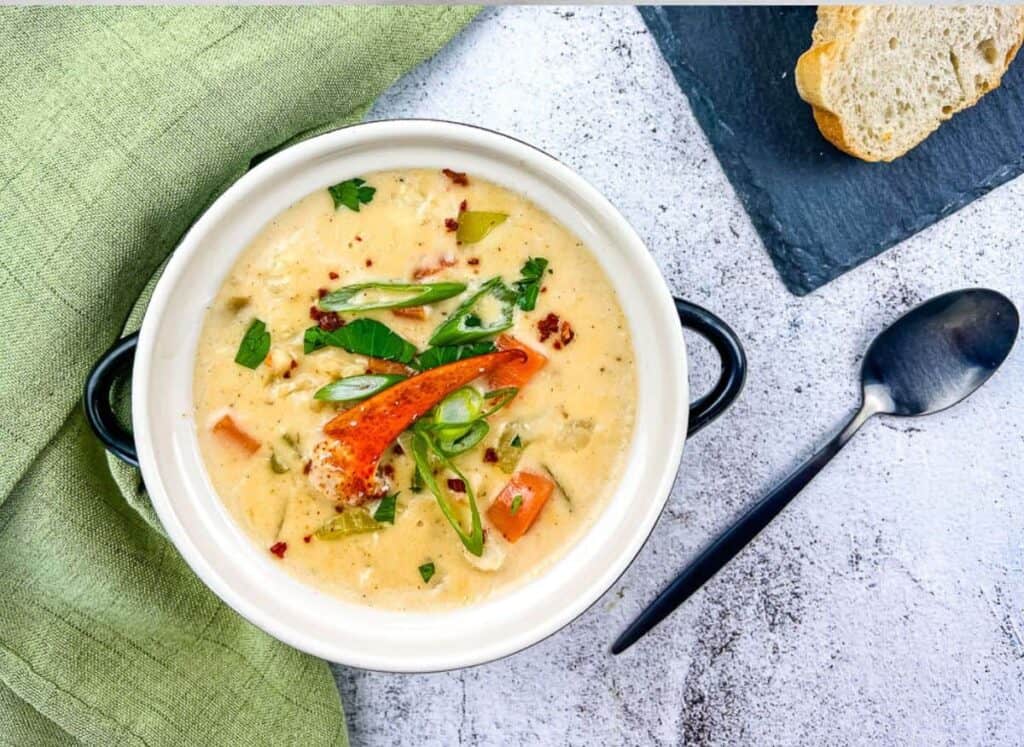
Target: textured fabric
{"points": [[118, 127]]}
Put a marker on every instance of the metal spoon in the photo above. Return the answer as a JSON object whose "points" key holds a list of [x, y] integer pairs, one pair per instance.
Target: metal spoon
{"points": [[929, 359]]}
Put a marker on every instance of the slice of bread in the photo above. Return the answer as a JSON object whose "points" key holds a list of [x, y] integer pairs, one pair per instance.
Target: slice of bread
{"points": [[881, 79]]}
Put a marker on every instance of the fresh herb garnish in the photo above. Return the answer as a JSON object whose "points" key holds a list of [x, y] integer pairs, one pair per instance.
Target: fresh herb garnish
{"points": [[385, 512], [354, 388], [466, 326], [516, 442], [558, 485], [427, 572], [517, 502], [370, 296], [254, 346], [434, 357], [351, 193], [362, 337], [528, 286], [474, 225]]}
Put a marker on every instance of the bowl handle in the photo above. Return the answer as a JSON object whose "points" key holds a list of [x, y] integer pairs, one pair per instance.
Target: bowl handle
{"points": [[734, 363], [113, 365]]}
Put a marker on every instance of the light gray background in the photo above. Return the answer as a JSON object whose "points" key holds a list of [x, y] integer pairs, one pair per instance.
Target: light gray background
{"points": [[886, 604]]}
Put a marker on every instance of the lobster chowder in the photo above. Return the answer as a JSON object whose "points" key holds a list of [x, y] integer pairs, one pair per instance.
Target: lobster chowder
{"points": [[415, 389]]}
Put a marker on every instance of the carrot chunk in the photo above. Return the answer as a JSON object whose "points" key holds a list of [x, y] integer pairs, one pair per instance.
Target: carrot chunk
{"points": [[516, 373], [519, 503], [360, 435], [228, 429]]}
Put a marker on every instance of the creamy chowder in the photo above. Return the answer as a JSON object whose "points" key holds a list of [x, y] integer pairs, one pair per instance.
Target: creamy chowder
{"points": [[415, 389]]}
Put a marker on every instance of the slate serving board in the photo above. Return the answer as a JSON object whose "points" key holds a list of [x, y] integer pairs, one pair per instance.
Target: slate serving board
{"points": [[819, 211]]}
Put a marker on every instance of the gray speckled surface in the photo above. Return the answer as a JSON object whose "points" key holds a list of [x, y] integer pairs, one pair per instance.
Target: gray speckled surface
{"points": [[887, 603]]}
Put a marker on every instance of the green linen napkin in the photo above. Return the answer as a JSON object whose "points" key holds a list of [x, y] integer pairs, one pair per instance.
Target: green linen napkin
{"points": [[119, 126]]}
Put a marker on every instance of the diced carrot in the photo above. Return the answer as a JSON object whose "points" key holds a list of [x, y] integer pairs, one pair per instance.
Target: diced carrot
{"points": [[516, 373], [381, 366], [228, 429], [519, 503], [361, 434], [411, 312]]}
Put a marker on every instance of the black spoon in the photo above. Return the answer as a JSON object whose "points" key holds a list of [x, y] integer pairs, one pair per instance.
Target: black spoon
{"points": [[929, 359]]}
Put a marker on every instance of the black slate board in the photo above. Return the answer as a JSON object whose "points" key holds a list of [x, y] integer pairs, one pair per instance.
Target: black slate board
{"points": [[819, 211]]}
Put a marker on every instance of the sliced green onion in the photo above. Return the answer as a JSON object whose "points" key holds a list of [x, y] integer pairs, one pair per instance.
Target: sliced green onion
{"points": [[427, 571], [460, 408], [473, 540], [353, 388], [465, 325], [453, 445], [370, 296], [385, 512], [510, 449], [350, 521], [474, 225], [276, 465], [500, 397], [558, 485]]}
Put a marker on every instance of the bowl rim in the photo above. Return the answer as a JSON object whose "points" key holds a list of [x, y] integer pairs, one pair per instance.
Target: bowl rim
{"points": [[191, 243]]}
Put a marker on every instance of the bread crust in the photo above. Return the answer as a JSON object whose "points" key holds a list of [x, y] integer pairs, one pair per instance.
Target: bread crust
{"points": [[836, 28]]}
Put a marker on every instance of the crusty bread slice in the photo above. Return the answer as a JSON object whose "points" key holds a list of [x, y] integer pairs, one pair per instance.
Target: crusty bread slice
{"points": [[881, 79]]}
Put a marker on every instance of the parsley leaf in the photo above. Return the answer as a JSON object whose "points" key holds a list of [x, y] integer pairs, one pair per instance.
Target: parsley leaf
{"points": [[386, 509], [254, 346], [529, 285], [350, 193], [362, 337], [427, 572], [434, 357]]}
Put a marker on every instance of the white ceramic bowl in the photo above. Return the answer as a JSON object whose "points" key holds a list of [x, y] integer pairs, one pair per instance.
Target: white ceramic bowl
{"points": [[245, 576]]}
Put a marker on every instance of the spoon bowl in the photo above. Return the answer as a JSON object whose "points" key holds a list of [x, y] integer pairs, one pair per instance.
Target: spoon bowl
{"points": [[938, 353]]}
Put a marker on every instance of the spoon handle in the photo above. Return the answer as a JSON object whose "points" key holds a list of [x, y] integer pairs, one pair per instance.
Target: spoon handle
{"points": [[736, 537]]}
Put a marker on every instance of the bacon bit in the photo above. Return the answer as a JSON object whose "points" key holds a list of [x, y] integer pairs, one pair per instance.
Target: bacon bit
{"points": [[381, 366], [473, 261], [443, 262], [490, 455], [398, 450], [307, 539], [566, 333], [279, 549], [412, 312], [369, 262], [457, 177], [332, 275], [307, 466], [294, 364], [456, 485], [387, 470], [321, 292], [451, 224], [338, 508], [548, 326], [463, 206], [287, 374], [558, 344]]}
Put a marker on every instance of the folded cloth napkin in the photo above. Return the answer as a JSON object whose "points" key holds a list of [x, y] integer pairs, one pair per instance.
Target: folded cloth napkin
{"points": [[119, 126]]}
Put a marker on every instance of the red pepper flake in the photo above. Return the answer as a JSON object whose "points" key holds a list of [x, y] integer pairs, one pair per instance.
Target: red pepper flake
{"points": [[294, 364], [566, 333], [543, 289], [451, 224], [456, 485], [558, 344], [473, 261], [358, 237], [548, 326], [287, 374], [338, 508], [332, 275], [457, 177], [321, 292], [308, 538], [307, 467], [369, 262], [463, 206], [397, 448], [279, 549], [490, 455], [387, 470]]}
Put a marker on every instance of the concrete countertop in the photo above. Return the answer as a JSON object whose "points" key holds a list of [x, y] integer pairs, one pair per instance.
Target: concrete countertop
{"points": [[887, 603]]}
